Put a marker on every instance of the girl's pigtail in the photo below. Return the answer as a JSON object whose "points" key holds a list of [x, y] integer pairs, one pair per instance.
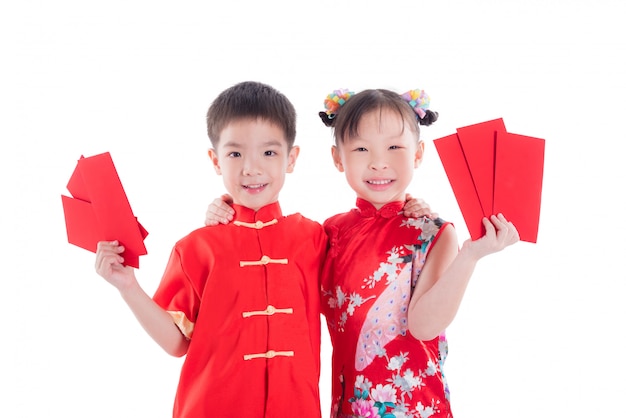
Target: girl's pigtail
{"points": [[326, 119], [429, 118], [332, 103], [419, 102]]}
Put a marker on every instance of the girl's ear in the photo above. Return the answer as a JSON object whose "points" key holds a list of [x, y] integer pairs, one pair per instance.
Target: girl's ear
{"points": [[215, 161], [419, 154], [291, 158], [337, 158]]}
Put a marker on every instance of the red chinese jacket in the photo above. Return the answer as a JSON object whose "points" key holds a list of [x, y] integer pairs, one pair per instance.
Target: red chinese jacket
{"points": [[246, 295]]}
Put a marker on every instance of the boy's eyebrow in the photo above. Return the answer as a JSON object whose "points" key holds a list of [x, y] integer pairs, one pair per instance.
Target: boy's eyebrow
{"points": [[232, 144], [268, 143], [274, 142]]}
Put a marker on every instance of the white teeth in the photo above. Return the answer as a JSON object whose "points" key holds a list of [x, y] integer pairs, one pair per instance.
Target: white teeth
{"points": [[378, 182], [254, 186]]}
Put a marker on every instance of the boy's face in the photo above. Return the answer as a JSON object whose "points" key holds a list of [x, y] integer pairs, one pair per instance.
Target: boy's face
{"points": [[380, 160], [253, 157]]}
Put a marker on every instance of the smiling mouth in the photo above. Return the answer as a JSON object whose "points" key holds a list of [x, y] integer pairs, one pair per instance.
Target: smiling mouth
{"points": [[378, 182], [254, 186]]}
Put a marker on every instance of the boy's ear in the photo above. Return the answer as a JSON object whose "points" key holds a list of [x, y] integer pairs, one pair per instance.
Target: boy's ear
{"points": [[292, 157], [419, 154], [337, 158], [215, 161]]}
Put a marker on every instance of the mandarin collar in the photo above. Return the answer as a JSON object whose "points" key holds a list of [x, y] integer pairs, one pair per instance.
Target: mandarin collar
{"points": [[265, 214], [367, 210]]}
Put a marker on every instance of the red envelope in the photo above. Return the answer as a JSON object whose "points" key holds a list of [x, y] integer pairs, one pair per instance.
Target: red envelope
{"points": [[518, 181], [492, 171], [99, 209], [458, 172], [479, 147]]}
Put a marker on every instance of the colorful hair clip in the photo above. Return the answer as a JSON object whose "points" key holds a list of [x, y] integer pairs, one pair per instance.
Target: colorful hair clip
{"points": [[332, 103], [418, 100], [335, 100]]}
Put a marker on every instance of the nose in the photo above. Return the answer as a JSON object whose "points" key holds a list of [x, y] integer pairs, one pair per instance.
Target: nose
{"points": [[377, 162], [251, 167]]}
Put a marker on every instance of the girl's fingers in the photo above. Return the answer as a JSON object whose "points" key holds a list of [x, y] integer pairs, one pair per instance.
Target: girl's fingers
{"points": [[489, 228], [507, 232]]}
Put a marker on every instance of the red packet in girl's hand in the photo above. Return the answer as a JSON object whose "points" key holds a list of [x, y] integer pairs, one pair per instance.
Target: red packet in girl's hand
{"points": [[100, 211], [478, 143], [518, 181], [492, 171], [460, 177]]}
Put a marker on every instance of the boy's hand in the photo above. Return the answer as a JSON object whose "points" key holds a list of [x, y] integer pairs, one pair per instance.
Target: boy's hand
{"points": [[219, 211], [499, 234], [109, 265], [415, 208]]}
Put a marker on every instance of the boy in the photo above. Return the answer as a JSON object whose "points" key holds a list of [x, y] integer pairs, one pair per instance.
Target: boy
{"points": [[241, 300]]}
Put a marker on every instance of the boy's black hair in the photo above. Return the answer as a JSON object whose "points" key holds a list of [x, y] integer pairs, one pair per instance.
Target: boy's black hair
{"points": [[251, 100]]}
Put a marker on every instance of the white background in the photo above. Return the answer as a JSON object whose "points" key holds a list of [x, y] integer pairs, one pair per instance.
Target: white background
{"points": [[541, 329]]}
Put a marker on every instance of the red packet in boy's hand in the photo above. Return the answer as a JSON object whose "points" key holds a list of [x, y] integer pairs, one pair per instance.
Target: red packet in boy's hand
{"points": [[100, 211]]}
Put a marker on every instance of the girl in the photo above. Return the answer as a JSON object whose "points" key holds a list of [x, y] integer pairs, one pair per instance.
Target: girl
{"points": [[391, 285]]}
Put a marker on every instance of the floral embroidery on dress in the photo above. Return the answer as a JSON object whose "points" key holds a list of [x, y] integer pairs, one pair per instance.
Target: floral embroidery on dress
{"points": [[389, 269], [390, 286], [390, 400]]}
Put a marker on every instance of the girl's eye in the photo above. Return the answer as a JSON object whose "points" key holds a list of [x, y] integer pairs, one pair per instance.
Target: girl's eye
{"points": [[234, 154], [360, 149], [395, 147]]}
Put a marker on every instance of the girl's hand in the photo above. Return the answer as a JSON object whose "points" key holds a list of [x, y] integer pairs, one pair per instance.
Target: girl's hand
{"points": [[415, 208], [499, 234], [219, 211], [109, 265]]}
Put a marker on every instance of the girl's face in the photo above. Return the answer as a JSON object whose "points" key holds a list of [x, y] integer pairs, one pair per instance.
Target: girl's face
{"points": [[253, 157], [379, 161]]}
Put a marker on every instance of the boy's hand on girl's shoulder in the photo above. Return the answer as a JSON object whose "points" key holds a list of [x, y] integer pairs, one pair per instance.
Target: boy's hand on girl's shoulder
{"points": [[109, 265], [416, 207], [499, 234], [219, 211]]}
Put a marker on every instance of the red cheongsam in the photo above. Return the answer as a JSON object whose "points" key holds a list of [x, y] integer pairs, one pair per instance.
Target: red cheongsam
{"points": [[373, 264], [246, 294]]}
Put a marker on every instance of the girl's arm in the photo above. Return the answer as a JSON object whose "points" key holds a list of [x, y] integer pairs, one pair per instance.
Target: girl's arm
{"points": [[219, 211], [446, 273], [154, 319]]}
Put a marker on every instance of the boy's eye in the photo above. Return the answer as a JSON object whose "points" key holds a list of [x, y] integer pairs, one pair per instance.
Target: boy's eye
{"points": [[360, 149], [234, 154], [270, 153], [395, 147]]}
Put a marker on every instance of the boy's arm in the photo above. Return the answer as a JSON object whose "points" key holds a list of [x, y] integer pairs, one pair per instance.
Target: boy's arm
{"points": [[416, 207], [154, 319], [446, 274]]}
